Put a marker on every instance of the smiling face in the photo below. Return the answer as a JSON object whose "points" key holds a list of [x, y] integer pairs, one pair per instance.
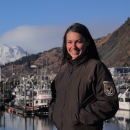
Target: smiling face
{"points": [[75, 44]]}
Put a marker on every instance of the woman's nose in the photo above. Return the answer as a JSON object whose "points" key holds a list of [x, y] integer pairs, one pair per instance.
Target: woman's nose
{"points": [[74, 45]]}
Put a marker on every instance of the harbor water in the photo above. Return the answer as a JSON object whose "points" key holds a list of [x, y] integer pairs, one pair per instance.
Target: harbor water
{"points": [[10, 121]]}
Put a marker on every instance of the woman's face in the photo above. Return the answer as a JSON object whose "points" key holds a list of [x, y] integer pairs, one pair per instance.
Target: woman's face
{"points": [[75, 44]]}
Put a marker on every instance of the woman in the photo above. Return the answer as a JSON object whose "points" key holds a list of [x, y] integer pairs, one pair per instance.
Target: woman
{"points": [[80, 100]]}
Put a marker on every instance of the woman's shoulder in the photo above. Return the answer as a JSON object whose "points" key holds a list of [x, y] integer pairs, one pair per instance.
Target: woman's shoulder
{"points": [[93, 63], [61, 71]]}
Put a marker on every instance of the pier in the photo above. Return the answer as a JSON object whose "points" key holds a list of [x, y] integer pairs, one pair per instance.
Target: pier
{"points": [[26, 112]]}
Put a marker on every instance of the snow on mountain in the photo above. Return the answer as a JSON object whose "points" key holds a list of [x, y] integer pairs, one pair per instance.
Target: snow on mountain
{"points": [[10, 54]]}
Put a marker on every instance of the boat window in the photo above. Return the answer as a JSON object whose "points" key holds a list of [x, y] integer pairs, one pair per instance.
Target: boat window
{"points": [[36, 102], [127, 94], [35, 93], [121, 100], [122, 87], [41, 101], [120, 118], [127, 99], [127, 120]]}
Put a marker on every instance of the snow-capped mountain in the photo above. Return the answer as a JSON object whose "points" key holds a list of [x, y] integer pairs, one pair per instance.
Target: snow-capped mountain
{"points": [[10, 54]]}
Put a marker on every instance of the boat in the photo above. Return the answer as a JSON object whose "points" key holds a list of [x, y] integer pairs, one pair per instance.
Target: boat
{"points": [[32, 97], [122, 83], [124, 100], [32, 93], [38, 98]]}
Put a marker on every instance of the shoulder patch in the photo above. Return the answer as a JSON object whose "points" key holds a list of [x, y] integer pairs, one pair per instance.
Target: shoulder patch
{"points": [[109, 89]]}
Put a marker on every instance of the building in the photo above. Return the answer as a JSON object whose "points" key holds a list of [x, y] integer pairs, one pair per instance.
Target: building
{"points": [[119, 70]]}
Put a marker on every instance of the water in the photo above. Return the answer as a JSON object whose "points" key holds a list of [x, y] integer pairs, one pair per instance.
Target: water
{"points": [[9, 121]]}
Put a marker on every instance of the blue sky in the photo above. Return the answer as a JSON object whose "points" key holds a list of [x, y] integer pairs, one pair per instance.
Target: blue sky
{"points": [[39, 25]]}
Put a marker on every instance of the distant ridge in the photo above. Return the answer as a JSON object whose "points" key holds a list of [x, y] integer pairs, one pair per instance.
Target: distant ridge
{"points": [[113, 48]]}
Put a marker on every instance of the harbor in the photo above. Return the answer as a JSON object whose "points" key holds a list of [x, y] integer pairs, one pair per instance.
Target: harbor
{"points": [[28, 108]]}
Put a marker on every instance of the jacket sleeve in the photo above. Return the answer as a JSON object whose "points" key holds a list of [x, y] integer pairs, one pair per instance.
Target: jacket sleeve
{"points": [[52, 102], [105, 105]]}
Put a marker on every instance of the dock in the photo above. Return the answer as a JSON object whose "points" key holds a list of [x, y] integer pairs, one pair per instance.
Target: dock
{"points": [[18, 110], [25, 112]]}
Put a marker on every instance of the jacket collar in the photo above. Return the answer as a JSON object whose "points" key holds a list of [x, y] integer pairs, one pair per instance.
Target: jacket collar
{"points": [[79, 60]]}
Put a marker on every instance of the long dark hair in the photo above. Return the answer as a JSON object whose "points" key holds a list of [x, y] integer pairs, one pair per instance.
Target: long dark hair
{"points": [[82, 30]]}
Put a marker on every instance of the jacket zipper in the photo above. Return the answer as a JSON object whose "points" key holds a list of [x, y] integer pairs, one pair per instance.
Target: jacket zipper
{"points": [[69, 81]]}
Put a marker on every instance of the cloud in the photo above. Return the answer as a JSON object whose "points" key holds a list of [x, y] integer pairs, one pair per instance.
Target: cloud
{"points": [[36, 39]]}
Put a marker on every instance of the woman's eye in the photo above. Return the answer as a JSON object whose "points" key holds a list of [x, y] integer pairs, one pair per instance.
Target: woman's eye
{"points": [[79, 41], [68, 42]]}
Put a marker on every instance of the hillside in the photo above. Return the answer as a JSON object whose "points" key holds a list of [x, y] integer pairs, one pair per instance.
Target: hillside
{"points": [[50, 59], [114, 50]]}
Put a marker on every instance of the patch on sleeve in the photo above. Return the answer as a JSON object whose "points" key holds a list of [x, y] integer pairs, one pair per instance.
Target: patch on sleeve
{"points": [[109, 88]]}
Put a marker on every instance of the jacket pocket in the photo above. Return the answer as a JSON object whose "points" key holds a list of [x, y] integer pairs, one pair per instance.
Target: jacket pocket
{"points": [[82, 118], [83, 111]]}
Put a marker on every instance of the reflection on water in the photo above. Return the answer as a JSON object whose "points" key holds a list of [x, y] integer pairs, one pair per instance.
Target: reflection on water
{"points": [[121, 121], [15, 122]]}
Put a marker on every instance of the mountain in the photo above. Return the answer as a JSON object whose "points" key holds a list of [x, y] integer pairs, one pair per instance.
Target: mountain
{"points": [[113, 48], [8, 54]]}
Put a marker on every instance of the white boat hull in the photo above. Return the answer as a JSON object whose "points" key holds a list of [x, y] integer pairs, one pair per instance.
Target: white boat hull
{"points": [[124, 105]]}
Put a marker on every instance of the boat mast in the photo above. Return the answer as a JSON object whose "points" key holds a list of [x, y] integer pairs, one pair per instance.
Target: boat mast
{"points": [[0, 74]]}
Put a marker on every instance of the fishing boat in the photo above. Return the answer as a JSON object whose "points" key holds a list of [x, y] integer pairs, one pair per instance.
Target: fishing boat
{"points": [[42, 99], [33, 92], [124, 100], [32, 97], [38, 98]]}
